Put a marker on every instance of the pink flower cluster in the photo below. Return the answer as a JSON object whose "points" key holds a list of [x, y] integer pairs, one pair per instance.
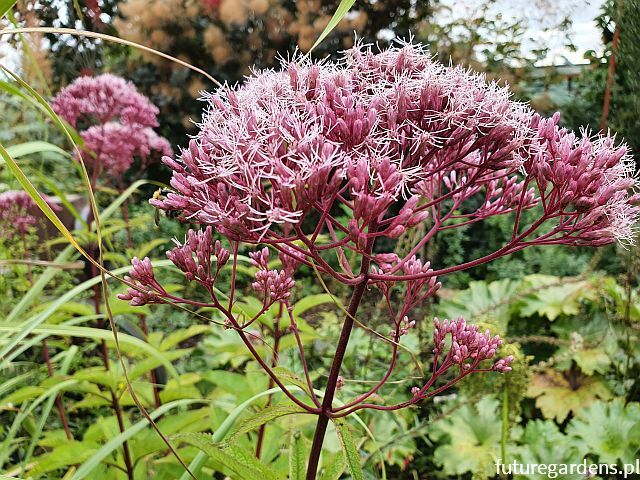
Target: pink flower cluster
{"points": [[115, 121], [273, 285], [193, 258], [468, 346], [587, 180], [147, 289], [18, 213], [393, 137], [319, 161]]}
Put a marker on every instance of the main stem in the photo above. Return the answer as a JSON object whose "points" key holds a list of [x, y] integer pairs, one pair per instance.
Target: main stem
{"points": [[347, 326]]}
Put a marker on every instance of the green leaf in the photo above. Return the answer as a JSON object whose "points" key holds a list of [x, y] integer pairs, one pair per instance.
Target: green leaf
{"points": [[230, 458], [608, 430], [559, 394], [336, 467], [222, 431], [490, 300], [558, 299], [128, 343], [341, 11], [592, 360], [469, 438], [263, 416], [310, 301], [29, 148], [64, 454], [297, 456], [287, 376], [103, 452], [183, 334], [542, 442], [350, 449], [6, 5]]}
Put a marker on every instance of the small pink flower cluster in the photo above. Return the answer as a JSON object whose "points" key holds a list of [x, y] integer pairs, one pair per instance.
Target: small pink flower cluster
{"points": [[147, 290], [273, 285], [193, 258], [115, 121], [468, 347], [18, 213]]}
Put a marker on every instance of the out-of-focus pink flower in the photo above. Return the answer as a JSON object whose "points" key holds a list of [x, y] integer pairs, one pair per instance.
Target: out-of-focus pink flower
{"points": [[18, 213], [115, 122], [104, 98], [116, 145]]}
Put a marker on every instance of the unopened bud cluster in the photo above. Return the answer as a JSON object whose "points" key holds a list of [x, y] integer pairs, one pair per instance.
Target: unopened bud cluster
{"points": [[468, 345]]}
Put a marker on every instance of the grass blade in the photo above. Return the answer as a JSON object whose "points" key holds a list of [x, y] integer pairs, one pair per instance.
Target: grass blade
{"points": [[103, 452], [341, 11], [6, 5]]}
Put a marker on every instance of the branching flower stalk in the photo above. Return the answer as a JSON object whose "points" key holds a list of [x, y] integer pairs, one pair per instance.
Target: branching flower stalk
{"points": [[393, 139]]}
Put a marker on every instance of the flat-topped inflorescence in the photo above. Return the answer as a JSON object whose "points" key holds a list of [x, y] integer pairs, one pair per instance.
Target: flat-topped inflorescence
{"points": [[385, 135], [115, 122], [319, 161]]}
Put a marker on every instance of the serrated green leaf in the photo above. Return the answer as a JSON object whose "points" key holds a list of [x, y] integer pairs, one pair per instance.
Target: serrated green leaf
{"points": [[287, 376], [336, 467], [242, 464], [297, 456], [542, 442], [469, 438], [608, 430], [263, 416], [350, 449]]}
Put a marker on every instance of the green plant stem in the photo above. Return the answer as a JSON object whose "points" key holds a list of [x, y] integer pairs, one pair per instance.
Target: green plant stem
{"points": [[505, 422]]}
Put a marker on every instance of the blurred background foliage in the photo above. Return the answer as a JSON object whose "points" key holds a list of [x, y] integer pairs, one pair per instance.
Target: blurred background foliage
{"points": [[572, 317]]}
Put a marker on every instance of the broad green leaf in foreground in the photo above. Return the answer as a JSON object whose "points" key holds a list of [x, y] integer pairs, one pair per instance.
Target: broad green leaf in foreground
{"points": [[609, 430]]}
